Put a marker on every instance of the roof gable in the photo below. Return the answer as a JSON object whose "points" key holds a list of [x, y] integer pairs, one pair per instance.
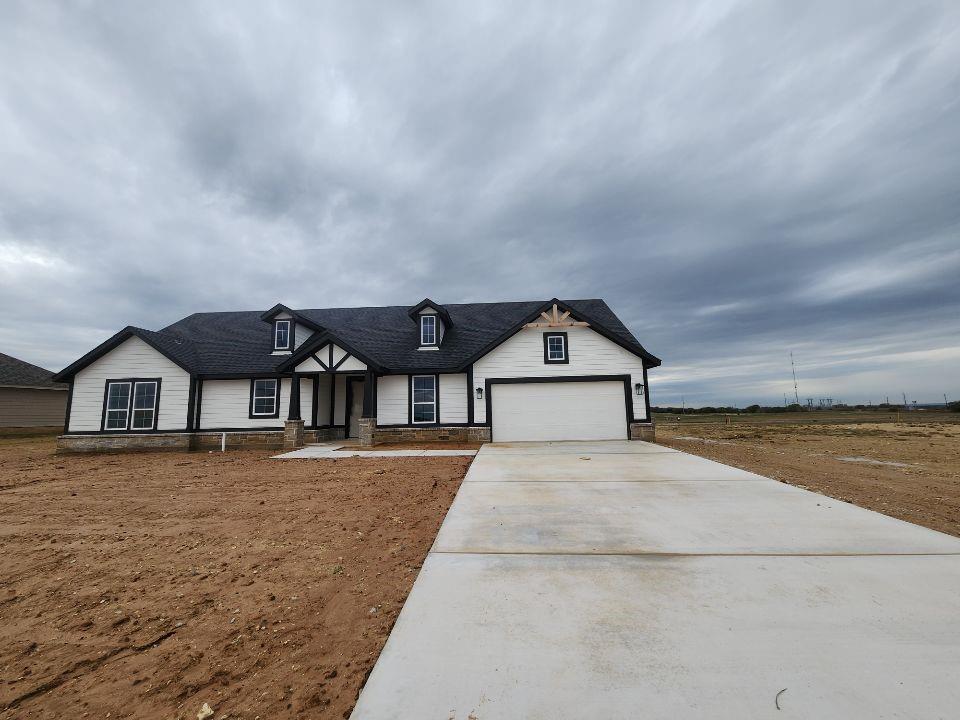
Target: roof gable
{"points": [[19, 373]]}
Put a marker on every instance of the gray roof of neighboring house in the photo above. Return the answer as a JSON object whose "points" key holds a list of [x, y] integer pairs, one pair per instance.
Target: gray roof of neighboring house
{"points": [[18, 373], [387, 338]]}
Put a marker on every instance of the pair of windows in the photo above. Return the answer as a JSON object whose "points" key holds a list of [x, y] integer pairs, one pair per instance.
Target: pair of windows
{"points": [[131, 404], [264, 398]]}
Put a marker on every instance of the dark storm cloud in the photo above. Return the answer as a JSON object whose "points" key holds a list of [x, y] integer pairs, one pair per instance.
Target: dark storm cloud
{"points": [[738, 180]]}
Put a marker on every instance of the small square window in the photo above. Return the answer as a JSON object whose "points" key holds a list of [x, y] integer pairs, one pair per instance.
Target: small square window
{"points": [[555, 348]]}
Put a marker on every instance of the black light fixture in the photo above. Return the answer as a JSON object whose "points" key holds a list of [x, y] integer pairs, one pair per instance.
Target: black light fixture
{"points": [[479, 393], [638, 388]]}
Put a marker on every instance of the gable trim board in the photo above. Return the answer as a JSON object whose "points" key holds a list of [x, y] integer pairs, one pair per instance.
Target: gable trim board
{"points": [[198, 393]]}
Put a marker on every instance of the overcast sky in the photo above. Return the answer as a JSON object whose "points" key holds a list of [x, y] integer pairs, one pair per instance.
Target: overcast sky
{"points": [[736, 179]]}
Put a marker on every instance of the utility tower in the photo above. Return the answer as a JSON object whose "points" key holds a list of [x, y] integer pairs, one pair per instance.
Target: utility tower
{"points": [[796, 393]]}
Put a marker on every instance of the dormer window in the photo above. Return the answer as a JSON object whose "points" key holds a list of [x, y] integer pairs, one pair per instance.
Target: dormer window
{"points": [[428, 329], [282, 335]]}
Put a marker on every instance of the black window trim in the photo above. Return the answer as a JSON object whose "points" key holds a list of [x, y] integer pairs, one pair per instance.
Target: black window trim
{"points": [[290, 334], [276, 399], [436, 330], [133, 386], [546, 349], [436, 399]]}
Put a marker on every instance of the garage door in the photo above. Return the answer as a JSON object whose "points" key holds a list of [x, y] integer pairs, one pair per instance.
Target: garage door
{"points": [[558, 411]]}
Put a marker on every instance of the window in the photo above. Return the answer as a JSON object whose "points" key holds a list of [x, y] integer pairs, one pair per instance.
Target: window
{"points": [[118, 405], [428, 329], [281, 335], [263, 399], [424, 398], [555, 348], [144, 405], [131, 404]]}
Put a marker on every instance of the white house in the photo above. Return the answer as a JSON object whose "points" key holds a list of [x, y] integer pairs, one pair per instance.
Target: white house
{"points": [[540, 370]]}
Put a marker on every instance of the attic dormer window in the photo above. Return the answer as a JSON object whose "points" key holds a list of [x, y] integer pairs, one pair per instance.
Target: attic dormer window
{"points": [[282, 336], [428, 329]]}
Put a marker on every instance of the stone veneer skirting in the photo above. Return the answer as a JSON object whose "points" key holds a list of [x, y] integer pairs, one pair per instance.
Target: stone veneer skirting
{"points": [[431, 434], [274, 439], [208, 440]]}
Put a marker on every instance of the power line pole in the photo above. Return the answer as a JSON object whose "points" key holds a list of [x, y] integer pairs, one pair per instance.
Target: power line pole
{"points": [[796, 393]]}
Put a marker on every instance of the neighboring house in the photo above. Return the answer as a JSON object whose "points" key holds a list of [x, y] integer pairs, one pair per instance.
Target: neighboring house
{"points": [[28, 396], [540, 370]]}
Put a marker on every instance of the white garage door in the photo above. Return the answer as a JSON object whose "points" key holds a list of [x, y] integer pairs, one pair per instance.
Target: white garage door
{"points": [[558, 411]]}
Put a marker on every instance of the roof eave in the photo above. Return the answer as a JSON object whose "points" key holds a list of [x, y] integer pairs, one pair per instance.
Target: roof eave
{"points": [[67, 374]]}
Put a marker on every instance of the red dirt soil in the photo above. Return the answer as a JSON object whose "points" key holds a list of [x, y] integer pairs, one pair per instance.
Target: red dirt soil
{"points": [[909, 471], [144, 585]]}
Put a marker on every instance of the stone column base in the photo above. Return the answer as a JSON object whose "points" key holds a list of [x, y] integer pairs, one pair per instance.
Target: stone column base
{"points": [[643, 431], [292, 434], [367, 428]]}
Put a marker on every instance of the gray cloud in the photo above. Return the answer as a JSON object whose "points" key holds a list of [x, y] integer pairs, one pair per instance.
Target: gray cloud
{"points": [[737, 179]]}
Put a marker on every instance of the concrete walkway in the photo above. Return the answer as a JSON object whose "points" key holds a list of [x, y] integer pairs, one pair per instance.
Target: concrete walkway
{"points": [[628, 580], [339, 450]]}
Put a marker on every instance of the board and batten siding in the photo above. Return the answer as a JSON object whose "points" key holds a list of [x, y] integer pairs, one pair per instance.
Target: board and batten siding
{"points": [[133, 358], [590, 354], [226, 404], [32, 407], [392, 391], [393, 399], [453, 398]]}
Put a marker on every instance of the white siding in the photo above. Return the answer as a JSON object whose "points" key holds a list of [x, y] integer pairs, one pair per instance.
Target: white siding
{"points": [[590, 354], [323, 400], [301, 334], [392, 393], [309, 365], [453, 398], [340, 398], [306, 401], [338, 353], [352, 363], [132, 358], [226, 404]]}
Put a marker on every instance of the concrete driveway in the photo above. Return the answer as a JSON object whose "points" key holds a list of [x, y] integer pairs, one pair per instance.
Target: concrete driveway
{"points": [[628, 580]]}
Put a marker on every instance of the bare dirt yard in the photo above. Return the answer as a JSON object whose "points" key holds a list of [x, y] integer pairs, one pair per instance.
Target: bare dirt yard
{"points": [[144, 585], [910, 470]]}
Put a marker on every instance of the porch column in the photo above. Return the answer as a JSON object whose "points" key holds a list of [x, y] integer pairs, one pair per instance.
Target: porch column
{"points": [[369, 395], [368, 418], [294, 413]]}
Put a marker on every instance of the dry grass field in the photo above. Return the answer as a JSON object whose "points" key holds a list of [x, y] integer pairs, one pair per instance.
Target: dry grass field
{"points": [[144, 585], [909, 470]]}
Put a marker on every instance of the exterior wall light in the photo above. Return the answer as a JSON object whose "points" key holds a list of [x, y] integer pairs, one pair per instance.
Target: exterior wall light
{"points": [[479, 393], [638, 388]]}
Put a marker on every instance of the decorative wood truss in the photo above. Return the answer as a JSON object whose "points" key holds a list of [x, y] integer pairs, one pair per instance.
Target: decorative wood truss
{"points": [[554, 319]]}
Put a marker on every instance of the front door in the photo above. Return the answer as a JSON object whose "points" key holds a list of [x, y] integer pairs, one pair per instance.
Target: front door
{"points": [[356, 406]]}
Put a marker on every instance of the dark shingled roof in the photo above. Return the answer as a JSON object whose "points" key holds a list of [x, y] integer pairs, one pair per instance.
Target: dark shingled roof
{"points": [[22, 374], [240, 343]]}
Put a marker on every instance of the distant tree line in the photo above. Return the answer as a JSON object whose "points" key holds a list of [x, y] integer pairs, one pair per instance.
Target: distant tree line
{"points": [[793, 407]]}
